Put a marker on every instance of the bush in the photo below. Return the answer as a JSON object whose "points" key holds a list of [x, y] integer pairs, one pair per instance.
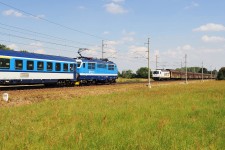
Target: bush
{"points": [[221, 74]]}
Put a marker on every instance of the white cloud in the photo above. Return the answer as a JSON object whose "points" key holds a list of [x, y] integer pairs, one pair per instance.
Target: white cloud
{"points": [[128, 33], [179, 52], [110, 48], [138, 51], [112, 43], [39, 16], [185, 47], [213, 39], [128, 36], [12, 12], [13, 46], [81, 7], [191, 6], [106, 32], [195, 55], [38, 47], [127, 39], [40, 51], [211, 27], [38, 44], [215, 50], [93, 51], [115, 8], [156, 52]]}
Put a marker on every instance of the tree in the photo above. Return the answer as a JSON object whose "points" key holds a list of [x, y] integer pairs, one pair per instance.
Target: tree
{"points": [[215, 72], [204, 70], [221, 74], [4, 47], [142, 72], [127, 74], [25, 51], [119, 74], [190, 69]]}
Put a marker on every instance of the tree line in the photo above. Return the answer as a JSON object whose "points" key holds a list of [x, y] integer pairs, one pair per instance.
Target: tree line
{"points": [[4, 47], [143, 72], [198, 70], [140, 73]]}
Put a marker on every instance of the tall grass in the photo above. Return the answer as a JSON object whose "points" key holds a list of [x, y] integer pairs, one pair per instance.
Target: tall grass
{"points": [[165, 117]]}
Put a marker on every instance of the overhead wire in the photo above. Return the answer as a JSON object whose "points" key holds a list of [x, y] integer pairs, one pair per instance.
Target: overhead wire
{"points": [[43, 34], [20, 43], [37, 40], [49, 21]]}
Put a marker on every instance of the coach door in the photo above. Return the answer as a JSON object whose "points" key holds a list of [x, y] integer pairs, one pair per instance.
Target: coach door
{"points": [[74, 71]]}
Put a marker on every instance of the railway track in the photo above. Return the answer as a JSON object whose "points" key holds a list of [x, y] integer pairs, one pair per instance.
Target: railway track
{"points": [[41, 86]]}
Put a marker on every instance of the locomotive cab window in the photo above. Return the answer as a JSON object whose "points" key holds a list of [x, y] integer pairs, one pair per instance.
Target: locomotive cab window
{"points": [[57, 66], [65, 67], [156, 72], [83, 65], [71, 67], [30, 65], [78, 64], [4, 63], [110, 67], [40, 65], [101, 65], [18, 64], [49, 66], [91, 65]]}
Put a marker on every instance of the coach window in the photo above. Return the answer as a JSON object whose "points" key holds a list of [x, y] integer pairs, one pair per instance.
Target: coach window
{"points": [[40, 65], [65, 67], [83, 65], [71, 67], [49, 66], [30, 65], [110, 67], [91, 65], [57, 66], [18, 64], [4, 63]]}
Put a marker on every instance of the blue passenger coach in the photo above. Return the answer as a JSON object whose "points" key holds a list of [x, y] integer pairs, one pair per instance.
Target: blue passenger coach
{"points": [[30, 68], [93, 70]]}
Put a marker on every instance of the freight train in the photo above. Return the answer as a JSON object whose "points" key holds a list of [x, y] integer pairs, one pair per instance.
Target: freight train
{"points": [[30, 68], [169, 74]]}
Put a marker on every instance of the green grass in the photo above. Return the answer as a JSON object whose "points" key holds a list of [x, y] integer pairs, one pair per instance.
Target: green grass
{"points": [[164, 117], [122, 80]]}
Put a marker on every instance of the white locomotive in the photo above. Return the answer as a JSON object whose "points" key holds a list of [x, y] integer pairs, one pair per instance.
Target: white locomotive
{"points": [[161, 74]]}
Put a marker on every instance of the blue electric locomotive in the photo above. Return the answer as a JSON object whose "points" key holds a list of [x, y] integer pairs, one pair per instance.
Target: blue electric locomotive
{"points": [[93, 71], [29, 68]]}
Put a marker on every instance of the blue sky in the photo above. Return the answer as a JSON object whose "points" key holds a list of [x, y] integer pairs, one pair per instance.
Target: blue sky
{"points": [[175, 28]]}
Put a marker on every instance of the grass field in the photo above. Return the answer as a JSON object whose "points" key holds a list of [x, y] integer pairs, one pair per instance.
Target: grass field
{"points": [[173, 116], [121, 80]]}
